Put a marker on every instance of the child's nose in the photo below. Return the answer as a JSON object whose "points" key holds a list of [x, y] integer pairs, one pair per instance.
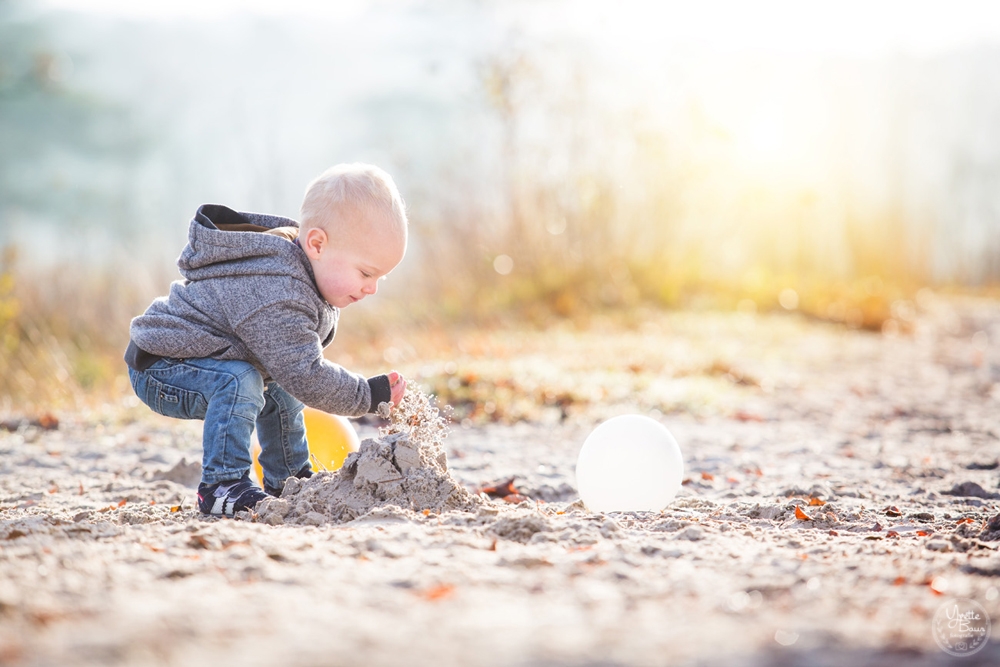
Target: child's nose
{"points": [[370, 288]]}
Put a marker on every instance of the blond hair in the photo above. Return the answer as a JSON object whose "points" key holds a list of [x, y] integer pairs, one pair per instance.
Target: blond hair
{"points": [[355, 188]]}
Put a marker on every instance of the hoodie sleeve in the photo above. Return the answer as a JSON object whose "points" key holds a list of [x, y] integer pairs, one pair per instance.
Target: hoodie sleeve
{"points": [[282, 336]]}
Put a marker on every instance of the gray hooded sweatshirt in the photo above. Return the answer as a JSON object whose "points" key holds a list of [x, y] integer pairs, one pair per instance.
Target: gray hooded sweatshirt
{"points": [[252, 296]]}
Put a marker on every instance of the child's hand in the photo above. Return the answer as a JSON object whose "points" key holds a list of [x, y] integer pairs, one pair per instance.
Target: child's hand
{"points": [[397, 385]]}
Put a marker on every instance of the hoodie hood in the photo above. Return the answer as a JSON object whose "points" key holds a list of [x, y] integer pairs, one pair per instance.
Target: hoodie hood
{"points": [[212, 252]]}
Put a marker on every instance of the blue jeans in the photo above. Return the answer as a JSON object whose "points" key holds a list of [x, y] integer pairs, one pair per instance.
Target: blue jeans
{"points": [[232, 398]]}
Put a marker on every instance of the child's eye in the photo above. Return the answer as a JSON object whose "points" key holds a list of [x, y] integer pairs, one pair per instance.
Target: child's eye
{"points": [[366, 274]]}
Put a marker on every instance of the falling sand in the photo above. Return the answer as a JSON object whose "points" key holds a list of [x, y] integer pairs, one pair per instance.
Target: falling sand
{"points": [[405, 467]]}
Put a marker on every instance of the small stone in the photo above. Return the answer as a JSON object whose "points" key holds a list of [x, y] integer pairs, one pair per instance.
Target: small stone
{"points": [[967, 489], [692, 533], [609, 528], [313, 519]]}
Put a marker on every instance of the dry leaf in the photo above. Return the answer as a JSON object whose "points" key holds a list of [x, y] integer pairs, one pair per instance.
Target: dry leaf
{"points": [[802, 516], [439, 592], [47, 421], [500, 489], [198, 541], [816, 502], [175, 508], [708, 476]]}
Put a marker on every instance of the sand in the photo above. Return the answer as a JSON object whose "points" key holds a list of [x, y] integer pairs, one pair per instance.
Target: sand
{"points": [[404, 468], [841, 486]]}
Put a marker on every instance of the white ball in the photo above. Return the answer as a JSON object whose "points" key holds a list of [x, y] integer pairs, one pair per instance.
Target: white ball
{"points": [[629, 463]]}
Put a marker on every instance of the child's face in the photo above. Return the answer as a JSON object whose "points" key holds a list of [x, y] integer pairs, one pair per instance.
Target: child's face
{"points": [[348, 269]]}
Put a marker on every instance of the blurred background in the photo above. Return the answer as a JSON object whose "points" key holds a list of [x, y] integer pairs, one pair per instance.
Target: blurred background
{"points": [[559, 159]]}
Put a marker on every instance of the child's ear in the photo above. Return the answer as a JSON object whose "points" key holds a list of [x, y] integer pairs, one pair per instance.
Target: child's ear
{"points": [[314, 242]]}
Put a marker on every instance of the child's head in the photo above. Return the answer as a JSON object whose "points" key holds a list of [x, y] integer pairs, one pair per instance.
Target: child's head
{"points": [[353, 230]]}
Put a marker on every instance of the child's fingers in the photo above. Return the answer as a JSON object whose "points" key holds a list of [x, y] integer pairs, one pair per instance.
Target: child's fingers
{"points": [[398, 391]]}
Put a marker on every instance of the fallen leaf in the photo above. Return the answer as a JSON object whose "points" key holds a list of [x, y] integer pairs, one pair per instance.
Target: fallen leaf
{"points": [[892, 510], [892, 533], [47, 421], [235, 543], [500, 489], [899, 581], [923, 533], [439, 592], [965, 520], [175, 508], [708, 476], [515, 498], [197, 541], [802, 516], [816, 502], [121, 503]]}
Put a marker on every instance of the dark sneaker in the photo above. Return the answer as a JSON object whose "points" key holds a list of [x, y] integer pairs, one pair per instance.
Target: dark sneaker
{"points": [[305, 473], [229, 497]]}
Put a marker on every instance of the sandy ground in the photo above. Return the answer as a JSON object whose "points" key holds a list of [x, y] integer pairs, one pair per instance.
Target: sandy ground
{"points": [[104, 561]]}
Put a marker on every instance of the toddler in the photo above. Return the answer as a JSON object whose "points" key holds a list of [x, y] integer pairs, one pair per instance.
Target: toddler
{"points": [[239, 341]]}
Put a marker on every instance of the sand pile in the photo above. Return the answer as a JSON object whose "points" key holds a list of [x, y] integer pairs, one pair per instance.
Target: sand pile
{"points": [[405, 467]]}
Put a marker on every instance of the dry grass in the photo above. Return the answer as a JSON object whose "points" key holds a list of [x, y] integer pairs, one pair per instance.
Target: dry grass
{"points": [[63, 332]]}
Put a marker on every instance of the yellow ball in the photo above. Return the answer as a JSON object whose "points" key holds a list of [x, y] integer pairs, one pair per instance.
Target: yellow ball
{"points": [[331, 438]]}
